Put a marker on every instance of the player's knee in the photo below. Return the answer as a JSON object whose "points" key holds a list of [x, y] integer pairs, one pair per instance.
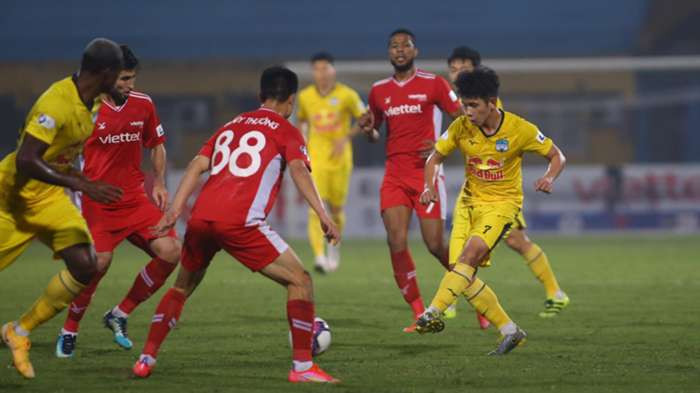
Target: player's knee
{"points": [[436, 247], [168, 250], [398, 241], [473, 256], [518, 242], [81, 262]]}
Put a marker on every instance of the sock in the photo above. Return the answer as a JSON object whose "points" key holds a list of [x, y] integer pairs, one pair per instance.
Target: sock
{"points": [[62, 289], [80, 304], [484, 300], [405, 276], [537, 260], [315, 233], [301, 366], [148, 282], [453, 283], [165, 318], [300, 314]]}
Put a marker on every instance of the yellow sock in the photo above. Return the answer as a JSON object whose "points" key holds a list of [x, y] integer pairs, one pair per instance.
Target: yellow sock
{"points": [[539, 265], [485, 301], [58, 294], [453, 283], [315, 234], [339, 219]]}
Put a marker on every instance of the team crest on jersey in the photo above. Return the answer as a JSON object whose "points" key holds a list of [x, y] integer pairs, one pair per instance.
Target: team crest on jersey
{"points": [[502, 145], [101, 125], [333, 101], [387, 101]]}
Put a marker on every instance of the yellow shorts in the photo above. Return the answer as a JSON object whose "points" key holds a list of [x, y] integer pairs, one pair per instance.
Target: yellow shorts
{"points": [[520, 221], [333, 184], [489, 222], [55, 221]]}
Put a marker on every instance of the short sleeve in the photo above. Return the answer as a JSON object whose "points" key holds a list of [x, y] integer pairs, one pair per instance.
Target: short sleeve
{"points": [[448, 140], [47, 119], [295, 147], [445, 98], [302, 114], [375, 109], [535, 141], [153, 133], [207, 149], [356, 106]]}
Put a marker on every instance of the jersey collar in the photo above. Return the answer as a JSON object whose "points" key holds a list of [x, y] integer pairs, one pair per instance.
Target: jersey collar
{"points": [[500, 124]]}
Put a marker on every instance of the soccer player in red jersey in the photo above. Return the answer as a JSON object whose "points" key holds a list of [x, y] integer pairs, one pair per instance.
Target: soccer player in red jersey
{"points": [[246, 159], [126, 123], [410, 102]]}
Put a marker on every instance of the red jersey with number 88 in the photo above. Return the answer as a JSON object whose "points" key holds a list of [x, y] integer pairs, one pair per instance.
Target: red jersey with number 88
{"points": [[248, 157]]}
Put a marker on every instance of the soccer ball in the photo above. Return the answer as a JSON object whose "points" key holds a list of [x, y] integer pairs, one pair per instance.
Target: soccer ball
{"points": [[321, 338]]}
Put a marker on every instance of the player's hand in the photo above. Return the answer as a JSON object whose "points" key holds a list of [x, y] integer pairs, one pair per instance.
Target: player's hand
{"points": [[544, 184], [428, 196], [166, 223], [160, 195], [339, 147], [101, 192], [366, 122], [427, 147], [330, 230]]}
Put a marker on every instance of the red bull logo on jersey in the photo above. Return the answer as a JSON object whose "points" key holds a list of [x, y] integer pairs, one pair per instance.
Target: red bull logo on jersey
{"points": [[124, 137], [404, 109], [489, 169]]}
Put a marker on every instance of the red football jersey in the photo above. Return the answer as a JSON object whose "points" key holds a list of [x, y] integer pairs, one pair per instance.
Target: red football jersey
{"points": [[113, 152], [412, 111], [248, 157]]}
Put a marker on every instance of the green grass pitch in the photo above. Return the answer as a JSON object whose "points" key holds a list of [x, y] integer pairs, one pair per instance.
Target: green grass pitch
{"points": [[633, 325]]}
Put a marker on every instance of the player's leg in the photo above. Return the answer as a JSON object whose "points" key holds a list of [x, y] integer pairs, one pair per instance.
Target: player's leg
{"points": [[67, 338], [489, 225], [62, 228], [538, 263], [288, 271], [199, 248], [336, 205], [315, 233], [166, 254]]}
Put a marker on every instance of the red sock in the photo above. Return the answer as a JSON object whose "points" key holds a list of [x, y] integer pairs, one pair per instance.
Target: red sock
{"points": [[300, 314], [148, 282], [405, 276], [80, 304], [166, 316]]}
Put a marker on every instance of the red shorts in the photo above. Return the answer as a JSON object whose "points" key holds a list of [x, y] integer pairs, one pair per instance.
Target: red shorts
{"points": [[109, 226], [404, 190], [253, 246]]}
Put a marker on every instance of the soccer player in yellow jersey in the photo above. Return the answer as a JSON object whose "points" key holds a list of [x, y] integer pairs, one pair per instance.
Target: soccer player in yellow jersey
{"points": [[465, 59], [326, 110], [33, 201], [493, 142]]}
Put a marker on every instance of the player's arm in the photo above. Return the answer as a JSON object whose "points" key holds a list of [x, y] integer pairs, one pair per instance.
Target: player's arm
{"points": [[30, 163], [557, 161], [302, 179], [188, 184], [430, 194], [158, 161]]}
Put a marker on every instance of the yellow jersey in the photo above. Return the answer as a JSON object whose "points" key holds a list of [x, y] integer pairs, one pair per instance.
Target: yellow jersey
{"points": [[493, 163], [329, 118], [59, 118]]}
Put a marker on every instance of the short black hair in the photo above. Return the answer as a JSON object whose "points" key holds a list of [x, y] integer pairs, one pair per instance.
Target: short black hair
{"points": [[465, 53], [403, 31], [131, 62], [481, 83], [278, 83], [322, 56], [101, 54]]}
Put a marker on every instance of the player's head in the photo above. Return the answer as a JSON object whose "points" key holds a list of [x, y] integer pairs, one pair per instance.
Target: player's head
{"points": [[402, 49], [278, 87], [103, 58], [127, 76], [322, 69], [478, 91], [462, 58]]}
